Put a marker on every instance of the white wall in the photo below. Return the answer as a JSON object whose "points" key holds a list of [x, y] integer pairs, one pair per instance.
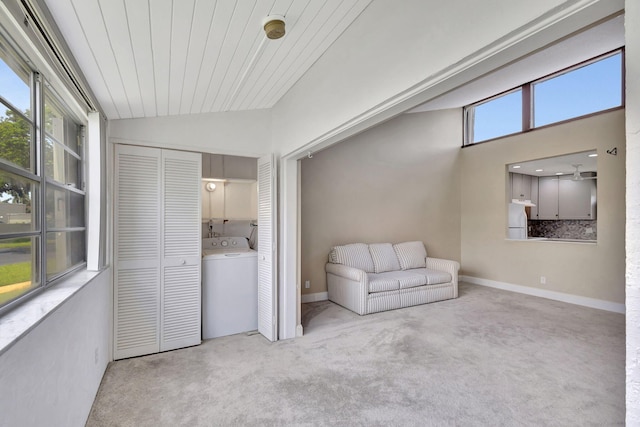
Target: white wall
{"points": [[50, 376], [632, 35], [586, 270], [241, 133]]}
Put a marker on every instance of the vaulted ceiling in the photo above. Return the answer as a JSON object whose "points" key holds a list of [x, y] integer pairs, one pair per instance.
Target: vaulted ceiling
{"points": [[147, 58]]}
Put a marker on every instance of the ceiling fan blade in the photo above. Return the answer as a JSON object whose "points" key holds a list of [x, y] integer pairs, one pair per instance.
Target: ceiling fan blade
{"points": [[573, 178]]}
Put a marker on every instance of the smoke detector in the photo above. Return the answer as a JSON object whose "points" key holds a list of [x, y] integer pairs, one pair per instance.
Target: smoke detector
{"points": [[274, 26]]}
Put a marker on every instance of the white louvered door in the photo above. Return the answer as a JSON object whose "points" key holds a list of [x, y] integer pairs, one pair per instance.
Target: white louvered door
{"points": [[157, 287], [181, 246], [267, 306], [136, 251]]}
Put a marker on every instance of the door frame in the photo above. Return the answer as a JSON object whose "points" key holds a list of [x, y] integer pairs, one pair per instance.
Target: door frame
{"points": [[289, 322]]}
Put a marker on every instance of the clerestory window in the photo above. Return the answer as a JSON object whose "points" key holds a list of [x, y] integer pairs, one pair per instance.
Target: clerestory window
{"points": [[591, 87]]}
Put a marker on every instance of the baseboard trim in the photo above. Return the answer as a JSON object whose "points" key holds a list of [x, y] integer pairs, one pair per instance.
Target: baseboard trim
{"points": [[320, 296], [543, 293]]}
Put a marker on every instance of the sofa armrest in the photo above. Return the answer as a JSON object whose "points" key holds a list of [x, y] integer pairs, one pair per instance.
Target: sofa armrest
{"points": [[347, 286], [345, 271], [450, 266]]}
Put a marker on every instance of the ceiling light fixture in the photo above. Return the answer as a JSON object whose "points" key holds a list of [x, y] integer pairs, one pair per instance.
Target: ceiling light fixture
{"points": [[516, 167], [593, 155], [274, 26]]}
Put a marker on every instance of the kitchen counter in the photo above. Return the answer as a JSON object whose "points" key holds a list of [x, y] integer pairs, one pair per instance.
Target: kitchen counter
{"points": [[556, 240], [553, 239]]}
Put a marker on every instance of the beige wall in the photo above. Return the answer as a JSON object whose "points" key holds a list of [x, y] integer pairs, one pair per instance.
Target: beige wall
{"points": [[398, 181], [594, 271]]}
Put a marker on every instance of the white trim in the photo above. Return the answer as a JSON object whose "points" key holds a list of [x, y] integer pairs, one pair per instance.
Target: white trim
{"points": [[154, 143], [319, 296], [288, 259], [544, 293], [93, 193]]}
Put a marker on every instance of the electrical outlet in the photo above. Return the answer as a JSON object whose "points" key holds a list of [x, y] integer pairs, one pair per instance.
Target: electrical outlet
{"points": [[543, 280], [307, 284]]}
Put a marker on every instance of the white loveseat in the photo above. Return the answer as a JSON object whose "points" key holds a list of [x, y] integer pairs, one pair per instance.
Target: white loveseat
{"points": [[381, 276]]}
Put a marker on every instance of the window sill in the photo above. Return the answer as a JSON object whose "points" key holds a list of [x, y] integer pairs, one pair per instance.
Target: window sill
{"points": [[18, 322]]}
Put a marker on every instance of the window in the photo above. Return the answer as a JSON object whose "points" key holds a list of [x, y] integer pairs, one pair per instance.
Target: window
{"points": [[588, 89], [579, 91], [482, 116], [42, 215]]}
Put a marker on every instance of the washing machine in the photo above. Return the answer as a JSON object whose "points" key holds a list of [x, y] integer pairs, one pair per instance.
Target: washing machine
{"points": [[229, 287]]}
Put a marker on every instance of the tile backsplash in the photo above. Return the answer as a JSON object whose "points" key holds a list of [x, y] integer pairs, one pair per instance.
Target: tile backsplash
{"points": [[564, 229]]}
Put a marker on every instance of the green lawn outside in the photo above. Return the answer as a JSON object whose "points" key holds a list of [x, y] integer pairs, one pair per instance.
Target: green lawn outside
{"points": [[15, 273], [8, 296], [15, 245]]}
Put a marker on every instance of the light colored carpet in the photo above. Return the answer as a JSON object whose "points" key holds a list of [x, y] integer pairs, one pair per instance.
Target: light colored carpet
{"points": [[488, 358]]}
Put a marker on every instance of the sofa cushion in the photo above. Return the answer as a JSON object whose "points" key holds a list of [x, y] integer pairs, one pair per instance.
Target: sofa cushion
{"points": [[355, 255], [383, 282], [411, 255], [411, 278], [433, 277], [384, 257]]}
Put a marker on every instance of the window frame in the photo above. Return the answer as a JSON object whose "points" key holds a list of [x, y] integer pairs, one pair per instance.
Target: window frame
{"points": [[528, 100], [39, 88], [469, 119]]}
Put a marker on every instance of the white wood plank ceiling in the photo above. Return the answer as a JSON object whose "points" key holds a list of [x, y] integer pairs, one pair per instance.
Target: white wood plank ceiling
{"points": [[147, 58]]}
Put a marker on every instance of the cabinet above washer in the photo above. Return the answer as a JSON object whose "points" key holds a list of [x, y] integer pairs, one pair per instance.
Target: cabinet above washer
{"points": [[229, 167]]}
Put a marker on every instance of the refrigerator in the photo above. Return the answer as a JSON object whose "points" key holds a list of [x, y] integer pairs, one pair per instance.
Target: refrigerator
{"points": [[517, 221]]}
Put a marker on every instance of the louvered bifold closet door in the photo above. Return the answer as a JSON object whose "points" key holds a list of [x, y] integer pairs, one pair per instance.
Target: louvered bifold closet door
{"points": [[137, 253], [181, 265], [267, 320]]}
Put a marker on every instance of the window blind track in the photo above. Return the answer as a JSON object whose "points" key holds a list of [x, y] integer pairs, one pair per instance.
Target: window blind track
{"points": [[32, 15]]}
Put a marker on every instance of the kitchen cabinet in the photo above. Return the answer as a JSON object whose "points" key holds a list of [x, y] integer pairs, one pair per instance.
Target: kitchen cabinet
{"points": [[534, 198], [566, 198], [576, 199], [547, 197], [228, 167], [520, 186], [525, 187]]}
